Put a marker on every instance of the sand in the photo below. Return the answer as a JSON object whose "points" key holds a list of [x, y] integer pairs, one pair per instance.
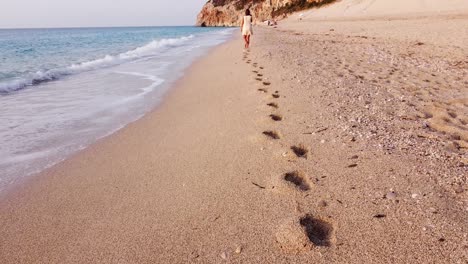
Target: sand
{"points": [[316, 146], [438, 22], [384, 8]]}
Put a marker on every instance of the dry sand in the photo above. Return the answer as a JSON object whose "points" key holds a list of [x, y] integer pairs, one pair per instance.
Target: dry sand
{"points": [[438, 22], [314, 147], [384, 8]]}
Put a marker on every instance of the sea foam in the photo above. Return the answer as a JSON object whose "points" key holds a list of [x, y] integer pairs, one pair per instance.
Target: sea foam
{"points": [[153, 48], [44, 125]]}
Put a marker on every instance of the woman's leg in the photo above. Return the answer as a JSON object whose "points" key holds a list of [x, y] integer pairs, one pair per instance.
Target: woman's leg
{"points": [[245, 41], [248, 41]]}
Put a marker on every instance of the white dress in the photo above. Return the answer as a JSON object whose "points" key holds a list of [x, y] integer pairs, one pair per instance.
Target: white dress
{"points": [[247, 28]]}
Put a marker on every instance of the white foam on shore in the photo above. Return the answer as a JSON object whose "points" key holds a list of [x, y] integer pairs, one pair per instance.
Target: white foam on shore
{"points": [[43, 126], [150, 49]]}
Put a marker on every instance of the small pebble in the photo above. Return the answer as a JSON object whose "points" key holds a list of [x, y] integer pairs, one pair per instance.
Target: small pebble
{"points": [[414, 195], [391, 195], [458, 189], [224, 255], [238, 249]]}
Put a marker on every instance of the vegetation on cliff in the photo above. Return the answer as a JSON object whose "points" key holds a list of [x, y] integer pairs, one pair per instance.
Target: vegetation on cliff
{"points": [[298, 6], [227, 12]]}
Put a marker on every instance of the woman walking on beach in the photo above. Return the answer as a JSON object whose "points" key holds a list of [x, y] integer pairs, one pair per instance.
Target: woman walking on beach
{"points": [[246, 28]]}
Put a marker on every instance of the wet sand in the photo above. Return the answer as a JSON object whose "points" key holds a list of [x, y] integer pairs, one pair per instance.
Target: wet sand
{"points": [[313, 147]]}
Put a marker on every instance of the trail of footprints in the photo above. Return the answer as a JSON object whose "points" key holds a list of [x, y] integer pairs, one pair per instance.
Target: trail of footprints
{"points": [[307, 231]]}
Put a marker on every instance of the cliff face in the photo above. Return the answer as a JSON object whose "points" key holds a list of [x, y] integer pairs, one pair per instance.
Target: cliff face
{"points": [[229, 12]]}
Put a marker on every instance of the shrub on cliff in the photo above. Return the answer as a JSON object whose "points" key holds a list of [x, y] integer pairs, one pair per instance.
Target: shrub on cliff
{"points": [[298, 6]]}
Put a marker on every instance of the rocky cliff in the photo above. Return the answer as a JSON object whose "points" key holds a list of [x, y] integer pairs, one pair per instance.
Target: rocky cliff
{"points": [[228, 12]]}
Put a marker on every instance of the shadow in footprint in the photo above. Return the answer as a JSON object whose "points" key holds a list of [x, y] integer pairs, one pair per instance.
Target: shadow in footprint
{"points": [[300, 151], [275, 95], [318, 231], [259, 75], [276, 117], [262, 90], [258, 79], [261, 68], [266, 83], [298, 180], [274, 105], [271, 134]]}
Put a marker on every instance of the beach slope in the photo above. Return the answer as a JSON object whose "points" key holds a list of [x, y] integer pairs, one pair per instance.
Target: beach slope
{"points": [[322, 144]]}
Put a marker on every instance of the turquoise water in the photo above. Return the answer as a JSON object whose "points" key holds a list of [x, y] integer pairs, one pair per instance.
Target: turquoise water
{"points": [[62, 89], [30, 56]]}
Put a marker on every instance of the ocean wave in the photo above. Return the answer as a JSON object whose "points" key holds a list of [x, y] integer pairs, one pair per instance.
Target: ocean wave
{"points": [[149, 49]]}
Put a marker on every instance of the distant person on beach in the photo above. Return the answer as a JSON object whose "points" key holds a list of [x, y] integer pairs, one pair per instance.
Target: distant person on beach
{"points": [[246, 28]]}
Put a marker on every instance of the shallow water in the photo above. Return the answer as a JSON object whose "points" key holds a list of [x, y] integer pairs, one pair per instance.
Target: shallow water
{"points": [[62, 89]]}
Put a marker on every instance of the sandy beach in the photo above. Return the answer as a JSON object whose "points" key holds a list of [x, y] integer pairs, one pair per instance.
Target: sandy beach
{"points": [[329, 141]]}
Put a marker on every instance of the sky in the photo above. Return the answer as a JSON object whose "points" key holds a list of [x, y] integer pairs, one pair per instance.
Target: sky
{"points": [[97, 13]]}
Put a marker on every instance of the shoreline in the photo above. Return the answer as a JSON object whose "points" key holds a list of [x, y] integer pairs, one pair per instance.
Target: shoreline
{"points": [[325, 152], [59, 183], [163, 90]]}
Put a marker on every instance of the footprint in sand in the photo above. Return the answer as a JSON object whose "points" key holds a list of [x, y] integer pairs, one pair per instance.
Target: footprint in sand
{"points": [[271, 134], [300, 234], [266, 83], [319, 232], [258, 79], [274, 105], [275, 96], [259, 75], [292, 182], [298, 180], [276, 117], [262, 90], [300, 151]]}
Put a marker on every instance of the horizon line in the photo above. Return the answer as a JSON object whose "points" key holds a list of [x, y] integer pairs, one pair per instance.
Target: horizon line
{"points": [[77, 27]]}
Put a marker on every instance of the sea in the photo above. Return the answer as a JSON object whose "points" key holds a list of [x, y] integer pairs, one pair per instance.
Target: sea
{"points": [[63, 89]]}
